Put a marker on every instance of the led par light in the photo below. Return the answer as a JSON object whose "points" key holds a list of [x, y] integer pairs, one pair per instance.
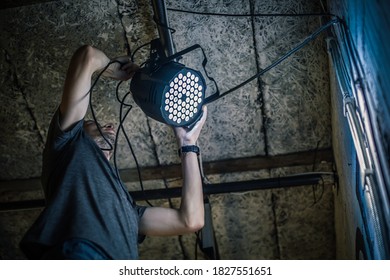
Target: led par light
{"points": [[173, 94], [164, 89]]}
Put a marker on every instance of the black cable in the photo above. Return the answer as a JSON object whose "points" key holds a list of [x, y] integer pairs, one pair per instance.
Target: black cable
{"points": [[137, 49], [121, 101], [121, 120], [307, 40], [117, 137], [197, 243], [322, 185], [163, 25], [250, 14], [91, 106], [120, 127], [122, 104], [323, 188], [278, 61], [120, 124]]}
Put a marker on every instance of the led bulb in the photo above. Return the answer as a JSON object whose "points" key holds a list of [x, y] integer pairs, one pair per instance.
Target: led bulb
{"points": [[175, 90]]}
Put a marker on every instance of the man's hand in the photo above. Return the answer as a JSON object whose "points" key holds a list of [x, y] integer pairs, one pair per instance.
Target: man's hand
{"points": [[86, 61], [121, 68], [185, 136]]}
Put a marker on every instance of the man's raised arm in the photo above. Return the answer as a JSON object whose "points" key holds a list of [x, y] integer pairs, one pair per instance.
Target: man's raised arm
{"points": [[85, 61], [190, 216]]}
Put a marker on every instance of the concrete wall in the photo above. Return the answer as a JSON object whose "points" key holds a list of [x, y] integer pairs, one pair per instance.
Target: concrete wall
{"points": [[368, 24], [285, 111]]}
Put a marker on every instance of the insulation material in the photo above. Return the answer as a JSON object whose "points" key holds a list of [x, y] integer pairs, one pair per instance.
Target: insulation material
{"points": [[295, 93], [286, 110], [228, 44], [21, 140]]}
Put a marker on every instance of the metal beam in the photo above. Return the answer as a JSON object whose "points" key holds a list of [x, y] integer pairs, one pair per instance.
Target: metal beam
{"points": [[7, 4], [208, 189], [213, 167]]}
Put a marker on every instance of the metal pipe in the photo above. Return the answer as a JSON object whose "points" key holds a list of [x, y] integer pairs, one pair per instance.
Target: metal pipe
{"points": [[376, 213], [164, 32], [358, 136]]}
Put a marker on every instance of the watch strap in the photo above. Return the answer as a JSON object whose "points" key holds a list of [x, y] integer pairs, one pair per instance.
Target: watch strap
{"points": [[189, 149]]}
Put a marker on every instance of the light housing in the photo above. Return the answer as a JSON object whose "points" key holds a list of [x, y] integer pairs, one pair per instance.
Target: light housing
{"points": [[172, 93], [164, 89]]}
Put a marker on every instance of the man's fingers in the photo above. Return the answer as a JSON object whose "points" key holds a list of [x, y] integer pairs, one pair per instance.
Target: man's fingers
{"points": [[130, 68], [202, 120]]}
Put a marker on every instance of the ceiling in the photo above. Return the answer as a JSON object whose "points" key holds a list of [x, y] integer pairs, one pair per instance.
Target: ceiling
{"points": [[276, 126]]}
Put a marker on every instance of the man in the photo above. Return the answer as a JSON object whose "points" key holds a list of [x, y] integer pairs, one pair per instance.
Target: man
{"points": [[89, 214]]}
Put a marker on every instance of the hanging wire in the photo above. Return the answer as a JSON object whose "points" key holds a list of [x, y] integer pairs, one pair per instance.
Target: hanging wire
{"points": [[91, 105], [122, 118], [307, 40], [250, 14]]}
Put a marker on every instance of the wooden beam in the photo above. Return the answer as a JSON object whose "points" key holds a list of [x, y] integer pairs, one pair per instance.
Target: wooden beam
{"points": [[214, 167], [208, 189], [233, 165], [7, 4], [21, 185]]}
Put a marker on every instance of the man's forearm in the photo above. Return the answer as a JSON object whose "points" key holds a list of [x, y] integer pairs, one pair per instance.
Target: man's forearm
{"points": [[85, 61], [192, 208]]}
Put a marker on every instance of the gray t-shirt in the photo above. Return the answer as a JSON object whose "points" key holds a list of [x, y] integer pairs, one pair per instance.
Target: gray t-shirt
{"points": [[84, 198]]}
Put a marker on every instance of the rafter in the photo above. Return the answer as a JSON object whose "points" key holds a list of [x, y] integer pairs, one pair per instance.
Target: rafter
{"points": [[213, 167]]}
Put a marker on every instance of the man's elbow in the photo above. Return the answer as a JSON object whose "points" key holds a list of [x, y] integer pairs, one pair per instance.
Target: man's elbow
{"points": [[195, 225], [85, 55]]}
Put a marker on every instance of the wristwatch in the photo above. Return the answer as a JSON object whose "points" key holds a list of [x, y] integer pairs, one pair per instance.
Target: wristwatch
{"points": [[189, 149]]}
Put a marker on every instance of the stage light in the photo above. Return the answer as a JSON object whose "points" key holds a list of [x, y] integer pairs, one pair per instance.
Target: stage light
{"points": [[164, 89], [172, 93]]}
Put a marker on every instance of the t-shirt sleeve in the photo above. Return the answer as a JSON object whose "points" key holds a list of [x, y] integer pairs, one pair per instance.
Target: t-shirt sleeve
{"points": [[56, 140], [140, 211], [57, 137]]}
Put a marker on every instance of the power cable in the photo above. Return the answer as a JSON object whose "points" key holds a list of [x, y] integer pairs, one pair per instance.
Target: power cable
{"points": [[120, 127], [250, 14], [307, 40]]}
